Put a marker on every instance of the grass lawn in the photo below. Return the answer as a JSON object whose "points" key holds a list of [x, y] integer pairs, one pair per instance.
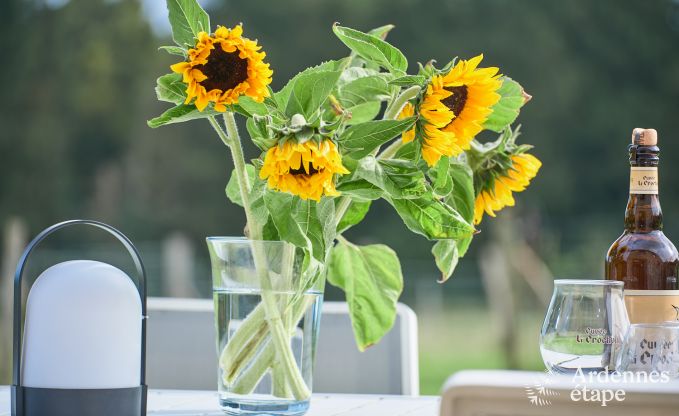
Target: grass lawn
{"points": [[465, 337]]}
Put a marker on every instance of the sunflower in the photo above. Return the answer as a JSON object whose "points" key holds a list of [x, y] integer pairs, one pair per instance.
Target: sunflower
{"points": [[303, 169], [222, 67], [434, 117], [497, 192], [453, 109]]}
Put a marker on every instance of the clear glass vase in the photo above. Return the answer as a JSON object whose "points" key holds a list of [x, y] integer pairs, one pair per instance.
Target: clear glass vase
{"points": [[268, 298]]}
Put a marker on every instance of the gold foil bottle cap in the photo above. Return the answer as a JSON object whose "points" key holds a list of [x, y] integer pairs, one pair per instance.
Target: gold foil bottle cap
{"points": [[644, 137]]}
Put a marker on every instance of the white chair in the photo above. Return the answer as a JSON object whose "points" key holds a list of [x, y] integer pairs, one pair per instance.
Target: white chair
{"points": [[525, 393], [181, 351]]}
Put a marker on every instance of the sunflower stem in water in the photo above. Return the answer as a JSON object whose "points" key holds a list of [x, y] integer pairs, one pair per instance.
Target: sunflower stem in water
{"points": [[280, 337], [266, 358], [233, 363]]}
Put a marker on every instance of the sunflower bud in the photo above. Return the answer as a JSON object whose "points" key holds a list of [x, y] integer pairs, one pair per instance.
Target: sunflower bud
{"points": [[297, 121]]}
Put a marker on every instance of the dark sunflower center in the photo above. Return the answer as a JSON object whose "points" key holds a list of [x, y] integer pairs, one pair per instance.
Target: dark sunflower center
{"points": [[457, 100], [301, 170], [224, 70]]}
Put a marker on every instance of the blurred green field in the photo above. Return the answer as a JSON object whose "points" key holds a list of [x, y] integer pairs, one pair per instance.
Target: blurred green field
{"points": [[465, 337]]}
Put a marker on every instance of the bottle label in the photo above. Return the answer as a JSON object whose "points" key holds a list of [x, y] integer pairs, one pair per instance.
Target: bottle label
{"points": [[652, 306], [643, 180]]}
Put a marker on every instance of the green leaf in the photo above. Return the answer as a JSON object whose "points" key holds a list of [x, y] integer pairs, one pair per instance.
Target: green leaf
{"points": [[364, 112], [446, 257], [361, 139], [409, 151], [259, 213], [447, 252], [360, 90], [170, 88], [249, 107], [180, 114], [174, 50], [432, 218], [382, 31], [304, 223], [360, 189], [463, 194], [398, 178], [353, 73], [269, 231], [325, 209], [187, 19], [462, 197], [257, 191], [232, 188], [283, 207], [259, 134], [281, 97], [372, 281], [372, 48], [408, 80], [355, 213], [442, 183], [310, 92], [257, 204], [507, 109]]}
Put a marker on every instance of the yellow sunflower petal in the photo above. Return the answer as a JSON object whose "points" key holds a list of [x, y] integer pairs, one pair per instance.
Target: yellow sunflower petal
{"points": [[499, 192], [454, 108], [478, 209], [304, 169]]}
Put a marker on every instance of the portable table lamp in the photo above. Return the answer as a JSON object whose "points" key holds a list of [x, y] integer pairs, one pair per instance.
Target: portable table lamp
{"points": [[84, 338]]}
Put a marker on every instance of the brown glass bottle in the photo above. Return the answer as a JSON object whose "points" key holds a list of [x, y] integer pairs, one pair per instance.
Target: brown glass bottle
{"points": [[643, 257]]}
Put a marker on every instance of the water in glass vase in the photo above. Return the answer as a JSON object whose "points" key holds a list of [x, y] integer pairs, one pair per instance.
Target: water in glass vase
{"points": [[253, 377]]}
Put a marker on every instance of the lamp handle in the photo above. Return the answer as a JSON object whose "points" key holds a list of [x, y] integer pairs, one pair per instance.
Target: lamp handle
{"points": [[18, 304]]}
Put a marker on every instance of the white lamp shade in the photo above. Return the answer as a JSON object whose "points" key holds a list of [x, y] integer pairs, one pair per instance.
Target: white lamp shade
{"points": [[82, 328]]}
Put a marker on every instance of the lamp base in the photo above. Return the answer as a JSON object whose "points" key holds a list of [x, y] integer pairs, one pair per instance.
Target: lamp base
{"points": [[32, 401]]}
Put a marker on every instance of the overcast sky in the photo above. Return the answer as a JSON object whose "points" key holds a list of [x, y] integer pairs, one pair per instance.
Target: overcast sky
{"points": [[154, 10]]}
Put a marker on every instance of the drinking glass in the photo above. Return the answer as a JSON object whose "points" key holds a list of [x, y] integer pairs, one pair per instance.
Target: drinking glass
{"points": [[651, 348], [584, 327]]}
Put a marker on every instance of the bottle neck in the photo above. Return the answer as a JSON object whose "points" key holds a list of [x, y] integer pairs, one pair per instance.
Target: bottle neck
{"points": [[643, 212]]}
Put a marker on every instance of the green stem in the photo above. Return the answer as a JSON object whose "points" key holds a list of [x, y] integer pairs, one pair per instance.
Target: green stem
{"points": [[341, 209], [243, 344], [220, 132], [279, 383], [234, 356], [390, 151], [234, 143], [266, 358], [395, 108], [280, 340], [249, 379]]}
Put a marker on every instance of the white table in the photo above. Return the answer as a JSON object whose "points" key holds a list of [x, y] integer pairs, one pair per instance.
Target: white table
{"points": [[202, 403]]}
